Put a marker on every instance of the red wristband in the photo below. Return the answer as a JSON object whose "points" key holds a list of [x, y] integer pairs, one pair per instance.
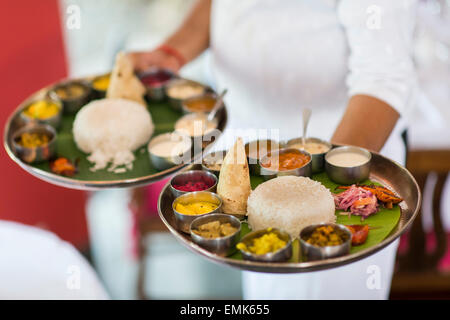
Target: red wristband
{"points": [[174, 53]]}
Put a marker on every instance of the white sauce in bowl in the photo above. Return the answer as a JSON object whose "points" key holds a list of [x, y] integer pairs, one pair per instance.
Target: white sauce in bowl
{"points": [[312, 147], [169, 145], [185, 90], [347, 159], [169, 148], [195, 125]]}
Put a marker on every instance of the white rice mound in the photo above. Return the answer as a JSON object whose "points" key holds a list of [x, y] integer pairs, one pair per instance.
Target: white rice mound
{"points": [[110, 130], [290, 203]]}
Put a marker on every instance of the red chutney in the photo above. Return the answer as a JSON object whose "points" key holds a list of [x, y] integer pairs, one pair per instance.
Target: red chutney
{"points": [[156, 78], [191, 186], [287, 161]]}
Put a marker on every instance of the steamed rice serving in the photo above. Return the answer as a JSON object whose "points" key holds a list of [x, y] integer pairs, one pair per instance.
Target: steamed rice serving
{"points": [[110, 130], [290, 203]]}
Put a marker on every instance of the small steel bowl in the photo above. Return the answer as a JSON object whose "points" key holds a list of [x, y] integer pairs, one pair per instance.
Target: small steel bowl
{"points": [[348, 175], [223, 246], [210, 157], [192, 176], [183, 221], [53, 121], [164, 162], [312, 252], [192, 116], [208, 95], [280, 255], [269, 173], [252, 147], [72, 105], [156, 92], [177, 102], [318, 159], [37, 154], [98, 93]]}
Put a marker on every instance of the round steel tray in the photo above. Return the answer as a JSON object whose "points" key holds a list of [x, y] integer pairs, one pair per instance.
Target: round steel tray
{"points": [[383, 170], [13, 124]]}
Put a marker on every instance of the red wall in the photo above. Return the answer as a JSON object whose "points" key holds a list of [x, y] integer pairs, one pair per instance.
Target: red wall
{"points": [[31, 57]]}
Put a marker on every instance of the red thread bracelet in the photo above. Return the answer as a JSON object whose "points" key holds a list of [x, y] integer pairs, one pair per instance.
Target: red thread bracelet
{"points": [[174, 53]]}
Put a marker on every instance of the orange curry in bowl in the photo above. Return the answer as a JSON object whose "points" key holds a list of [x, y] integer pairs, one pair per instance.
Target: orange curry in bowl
{"points": [[289, 160]]}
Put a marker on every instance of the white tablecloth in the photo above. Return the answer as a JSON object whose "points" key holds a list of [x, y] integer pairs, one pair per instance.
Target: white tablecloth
{"points": [[36, 264]]}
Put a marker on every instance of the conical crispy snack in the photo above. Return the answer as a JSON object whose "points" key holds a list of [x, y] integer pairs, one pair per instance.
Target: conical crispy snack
{"points": [[124, 83], [234, 180]]}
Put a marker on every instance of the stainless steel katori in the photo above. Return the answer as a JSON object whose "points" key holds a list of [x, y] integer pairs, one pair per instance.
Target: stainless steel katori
{"points": [[383, 170], [269, 172], [207, 95], [311, 252], [53, 121], [318, 159], [192, 176], [96, 92], [36, 154], [163, 162], [280, 255], [157, 91], [348, 174], [257, 149], [177, 101], [222, 246], [72, 104], [184, 221]]}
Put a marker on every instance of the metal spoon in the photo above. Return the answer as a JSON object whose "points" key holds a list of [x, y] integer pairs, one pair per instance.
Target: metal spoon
{"points": [[306, 115], [217, 106]]}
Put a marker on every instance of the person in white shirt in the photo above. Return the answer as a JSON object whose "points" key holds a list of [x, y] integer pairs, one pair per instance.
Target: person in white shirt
{"points": [[36, 264], [348, 60]]}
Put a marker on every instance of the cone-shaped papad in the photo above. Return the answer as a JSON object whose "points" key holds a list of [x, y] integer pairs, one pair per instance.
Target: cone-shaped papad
{"points": [[234, 180], [124, 83]]}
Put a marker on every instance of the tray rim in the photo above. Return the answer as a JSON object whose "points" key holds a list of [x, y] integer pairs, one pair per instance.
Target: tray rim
{"points": [[87, 185], [296, 267]]}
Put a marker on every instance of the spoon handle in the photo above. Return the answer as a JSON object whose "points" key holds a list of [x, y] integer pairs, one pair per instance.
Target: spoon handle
{"points": [[306, 115], [217, 106]]}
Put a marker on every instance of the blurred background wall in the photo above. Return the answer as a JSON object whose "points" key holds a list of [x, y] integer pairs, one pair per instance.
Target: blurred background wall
{"points": [[33, 56]]}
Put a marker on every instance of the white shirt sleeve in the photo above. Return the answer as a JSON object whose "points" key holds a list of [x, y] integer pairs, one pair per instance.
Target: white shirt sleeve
{"points": [[379, 34]]}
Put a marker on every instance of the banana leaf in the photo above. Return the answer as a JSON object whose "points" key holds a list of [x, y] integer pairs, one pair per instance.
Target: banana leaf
{"points": [[381, 223], [164, 118]]}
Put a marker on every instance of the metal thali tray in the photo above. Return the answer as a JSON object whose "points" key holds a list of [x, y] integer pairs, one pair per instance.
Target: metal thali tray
{"points": [[144, 173], [383, 171]]}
